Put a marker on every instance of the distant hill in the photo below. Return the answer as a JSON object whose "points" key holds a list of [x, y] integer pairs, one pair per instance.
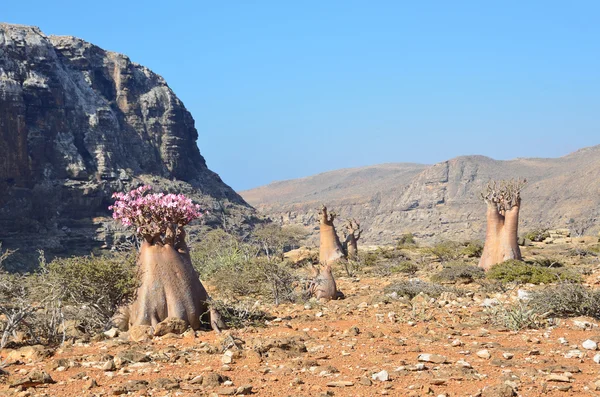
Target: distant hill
{"points": [[438, 201]]}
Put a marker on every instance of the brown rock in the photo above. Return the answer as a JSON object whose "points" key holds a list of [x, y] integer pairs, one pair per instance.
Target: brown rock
{"points": [[29, 354], [171, 325], [140, 333], [35, 378], [502, 390]]}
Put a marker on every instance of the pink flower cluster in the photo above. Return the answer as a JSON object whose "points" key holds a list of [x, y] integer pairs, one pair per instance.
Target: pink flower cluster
{"points": [[153, 213]]}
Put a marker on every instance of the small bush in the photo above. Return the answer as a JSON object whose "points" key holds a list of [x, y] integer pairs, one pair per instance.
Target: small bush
{"points": [[258, 277], [446, 251], [459, 272], [566, 300], [521, 272], [406, 240], [547, 262], [406, 267], [537, 235], [472, 249], [412, 288], [240, 314], [94, 286], [368, 258], [516, 316]]}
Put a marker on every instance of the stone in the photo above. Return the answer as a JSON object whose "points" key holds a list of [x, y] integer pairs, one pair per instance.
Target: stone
{"points": [[365, 381], [141, 333], [35, 378], [485, 354], [171, 325], [133, 356], [488, 302], [589, 345], [381, 376], [112, 333], [558, 378], [340, 383], [596, 358], [501, 390], [90, 384], [432, 358], [28, 354], [109, 366], [244, 390]]}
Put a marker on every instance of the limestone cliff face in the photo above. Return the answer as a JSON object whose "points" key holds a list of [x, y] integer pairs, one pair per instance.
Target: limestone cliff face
{"points": [[77, 123]]}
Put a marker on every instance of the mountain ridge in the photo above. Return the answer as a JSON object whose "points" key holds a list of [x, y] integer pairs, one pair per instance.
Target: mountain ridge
{"points": [[441, 201]]}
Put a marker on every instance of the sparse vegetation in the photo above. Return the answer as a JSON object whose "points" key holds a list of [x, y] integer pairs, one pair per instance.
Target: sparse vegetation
{"points": [[92, 287], [412, 288], [459, 272], [521, 272], [407, 240], [516, 316], [566, 300], [537, 235], [446, 251], [472, 249]]}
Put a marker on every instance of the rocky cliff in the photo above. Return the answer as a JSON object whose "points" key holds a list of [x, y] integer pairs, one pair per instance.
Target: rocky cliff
{"points": [[77, 123], [440, 201]]}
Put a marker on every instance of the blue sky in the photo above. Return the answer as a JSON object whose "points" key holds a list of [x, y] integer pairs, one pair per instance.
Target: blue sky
{"points": [[284, 89]]}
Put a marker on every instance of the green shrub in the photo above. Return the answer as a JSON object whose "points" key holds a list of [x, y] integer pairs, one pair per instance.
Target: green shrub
{"points": [[220, 250], [368, 258], [521, 272], [95, 286], [537, 235], [547, 262], [406, 240], [472, 249], [459, 272], [446, 251], [406, 267], [257, 277]]}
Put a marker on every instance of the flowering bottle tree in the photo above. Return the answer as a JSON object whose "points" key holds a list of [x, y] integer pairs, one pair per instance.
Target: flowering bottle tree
{"points": [[169, 285]]}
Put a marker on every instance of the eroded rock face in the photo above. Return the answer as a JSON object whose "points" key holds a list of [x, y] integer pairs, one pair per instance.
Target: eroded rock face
{"points": [[77, 123]]}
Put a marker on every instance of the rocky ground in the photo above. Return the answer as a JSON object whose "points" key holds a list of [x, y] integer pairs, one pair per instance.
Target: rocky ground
{"points": [[368, 344]]}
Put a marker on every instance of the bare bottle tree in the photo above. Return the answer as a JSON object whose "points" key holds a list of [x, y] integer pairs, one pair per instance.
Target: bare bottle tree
{"points": [[503, 201], [352, 232], [330, 248]]}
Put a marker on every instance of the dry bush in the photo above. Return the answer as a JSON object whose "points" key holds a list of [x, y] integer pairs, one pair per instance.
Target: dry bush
{"points": [[459, 272], [516, 316], [241, 314], [412, 288], [566, 300]]}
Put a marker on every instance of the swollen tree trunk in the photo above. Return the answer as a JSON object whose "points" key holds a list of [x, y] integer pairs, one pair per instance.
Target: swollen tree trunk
{"points": [[330, 248], [323, 286], [169, 286], [501, 240], [352, 232]]}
